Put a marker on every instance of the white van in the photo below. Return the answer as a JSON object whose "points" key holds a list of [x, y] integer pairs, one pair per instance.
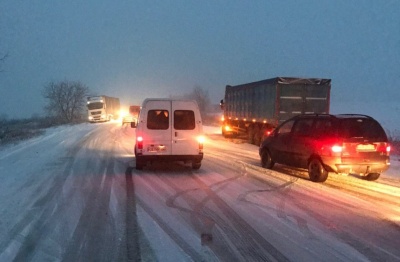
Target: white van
{"points": [[169, 129]]}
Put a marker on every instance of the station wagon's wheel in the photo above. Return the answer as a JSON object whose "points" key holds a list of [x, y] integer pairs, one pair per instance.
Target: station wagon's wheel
{"points": [[372, 176], [266, 160], [316, 171], [196, 165]]}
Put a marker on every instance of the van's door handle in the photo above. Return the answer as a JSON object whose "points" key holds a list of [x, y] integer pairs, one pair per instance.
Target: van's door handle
{"points": [[176, 134]]}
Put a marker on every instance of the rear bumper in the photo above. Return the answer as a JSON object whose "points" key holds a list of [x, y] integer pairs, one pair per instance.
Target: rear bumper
{"points": [[145, 158], [362, 169], [336, 165]]}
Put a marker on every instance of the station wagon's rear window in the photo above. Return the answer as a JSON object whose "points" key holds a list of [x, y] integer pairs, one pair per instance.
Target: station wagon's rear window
{"points": [[158, 119], [184, 120], [362, 128]]}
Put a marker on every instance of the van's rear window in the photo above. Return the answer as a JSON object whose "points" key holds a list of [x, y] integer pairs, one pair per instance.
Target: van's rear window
{"points": [[158, 119], [184, 120]]}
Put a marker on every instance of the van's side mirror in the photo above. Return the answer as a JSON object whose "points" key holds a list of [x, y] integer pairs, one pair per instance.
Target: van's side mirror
{"points": [[222, 104], [133, 125]]}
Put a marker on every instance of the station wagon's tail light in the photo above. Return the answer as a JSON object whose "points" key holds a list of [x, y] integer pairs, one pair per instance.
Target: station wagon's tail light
{"points": [[332, 148], [383, 148], [139, 142]]}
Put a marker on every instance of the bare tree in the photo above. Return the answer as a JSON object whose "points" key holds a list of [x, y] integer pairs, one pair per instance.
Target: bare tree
{"points": [[65, 100], [202, 98]]}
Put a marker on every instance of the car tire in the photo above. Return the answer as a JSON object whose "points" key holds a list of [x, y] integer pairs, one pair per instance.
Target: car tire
{"points": [[196, 165], [139, 163], [316, 171], [372, 176], [266, 159]]}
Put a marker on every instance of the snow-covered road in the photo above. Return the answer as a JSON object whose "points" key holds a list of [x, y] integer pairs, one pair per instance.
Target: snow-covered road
{"points": [[73, 194]]}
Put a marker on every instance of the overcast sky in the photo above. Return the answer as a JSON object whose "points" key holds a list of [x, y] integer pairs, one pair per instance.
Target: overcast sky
{"points": [[138, 49]]}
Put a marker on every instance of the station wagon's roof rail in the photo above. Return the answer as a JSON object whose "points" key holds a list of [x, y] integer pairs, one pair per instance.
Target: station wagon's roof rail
{"points": [[353, 115], [315, 115]]}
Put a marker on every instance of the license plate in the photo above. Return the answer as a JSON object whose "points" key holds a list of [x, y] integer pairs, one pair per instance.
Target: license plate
{"points": [[365, 147], [160, 148]]}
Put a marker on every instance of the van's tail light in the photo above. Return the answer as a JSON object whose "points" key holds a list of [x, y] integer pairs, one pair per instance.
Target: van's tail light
{"points": [[337, 149], [139, 141], [201, 140]]}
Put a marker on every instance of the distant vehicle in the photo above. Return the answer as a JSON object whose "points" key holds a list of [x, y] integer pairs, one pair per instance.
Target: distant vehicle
{"points": [[102, 108], [170, 130], [253, 110], [354, 144], [132, 116]]}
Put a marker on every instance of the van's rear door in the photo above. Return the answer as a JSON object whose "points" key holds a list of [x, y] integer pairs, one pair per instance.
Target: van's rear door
{"points": [[157, 138], [185, 128]]}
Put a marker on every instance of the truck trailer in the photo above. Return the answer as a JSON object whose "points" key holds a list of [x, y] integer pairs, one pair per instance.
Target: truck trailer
{"points": [[255, 109], [102, 108]]}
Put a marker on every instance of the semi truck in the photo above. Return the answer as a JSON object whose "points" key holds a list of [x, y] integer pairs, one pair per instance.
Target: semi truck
{"points": [[254, 109], [102, 108]]}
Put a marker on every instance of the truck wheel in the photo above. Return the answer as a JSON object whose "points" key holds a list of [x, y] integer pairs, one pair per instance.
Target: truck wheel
{"points": [[266, 160], [196, 165], [372, 176], [316, 171], [250, 134], [257, 136]]}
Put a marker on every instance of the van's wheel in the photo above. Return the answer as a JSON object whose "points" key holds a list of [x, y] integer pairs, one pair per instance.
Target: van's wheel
{"points": [[196, 165], [139, 164], [316, 171], [266, 160], [372, 176]]}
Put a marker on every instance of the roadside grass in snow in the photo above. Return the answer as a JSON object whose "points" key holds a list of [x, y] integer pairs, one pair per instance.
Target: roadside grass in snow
{"points": [[13, 131]]}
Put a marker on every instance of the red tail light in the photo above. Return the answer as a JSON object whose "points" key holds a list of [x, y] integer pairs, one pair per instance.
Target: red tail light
{"points": [[332, 147], [337, 149], [383, 148], [139, 142], [201, 140]]}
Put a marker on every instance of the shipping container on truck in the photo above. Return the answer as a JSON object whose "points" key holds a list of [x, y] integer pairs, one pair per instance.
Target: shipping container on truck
{"points": [[102, 108], [254, 109]]}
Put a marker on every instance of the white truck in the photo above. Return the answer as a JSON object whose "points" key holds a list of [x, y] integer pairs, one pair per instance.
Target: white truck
{"points": [[102, 108]]}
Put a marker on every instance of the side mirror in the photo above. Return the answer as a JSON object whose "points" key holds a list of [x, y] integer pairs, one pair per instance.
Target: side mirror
{"points": [[222, 104], [133, 125]]}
